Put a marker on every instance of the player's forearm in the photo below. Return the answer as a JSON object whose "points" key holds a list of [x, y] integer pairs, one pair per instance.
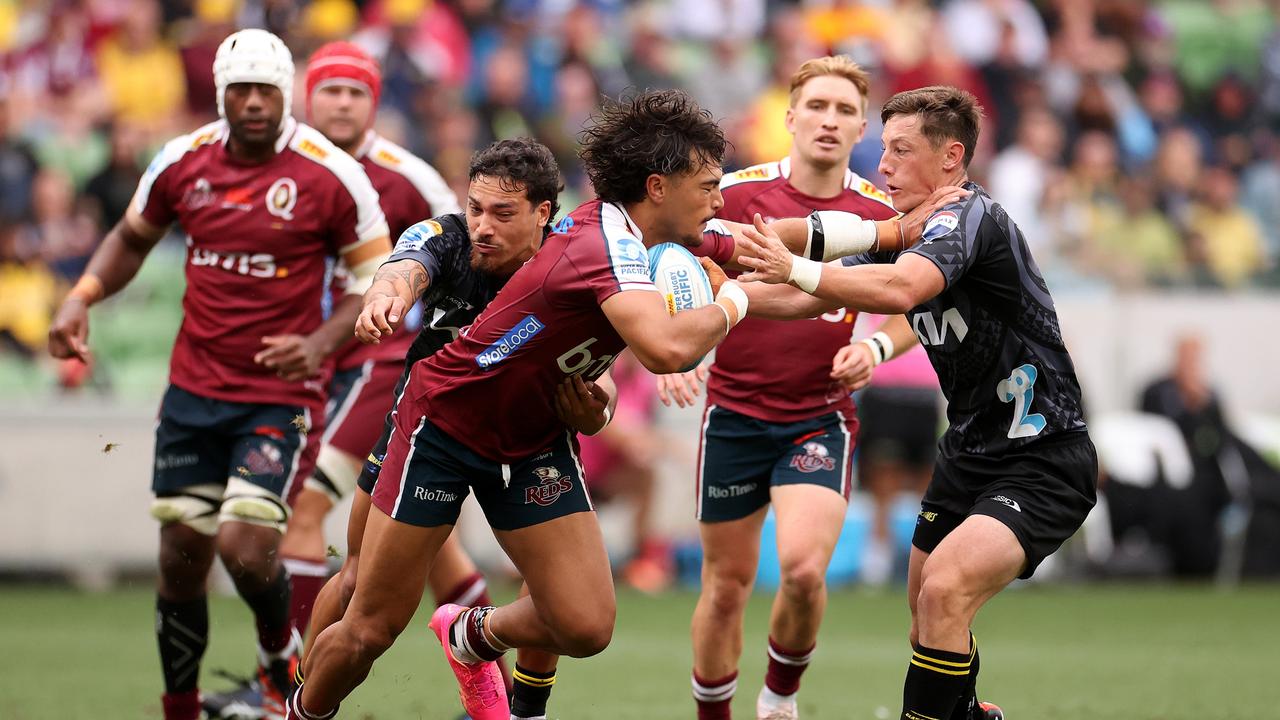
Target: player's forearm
{"points": [[869, 288], [898, 328], [848, 237], [115, 263], [406, 279], [336, 331], [675, 345], [783, 302]]}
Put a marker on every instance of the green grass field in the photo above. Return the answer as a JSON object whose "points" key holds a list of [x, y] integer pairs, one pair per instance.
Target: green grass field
{"points": [[1048, 654]]}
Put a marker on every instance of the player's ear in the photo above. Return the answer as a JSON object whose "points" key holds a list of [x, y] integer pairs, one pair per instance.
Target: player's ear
{"points": [[544, 213], [655, 186], [790, 120], [954, 155]]}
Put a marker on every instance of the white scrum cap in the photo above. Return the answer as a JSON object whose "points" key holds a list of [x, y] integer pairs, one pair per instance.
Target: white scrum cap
{"points": [[254, 56]]}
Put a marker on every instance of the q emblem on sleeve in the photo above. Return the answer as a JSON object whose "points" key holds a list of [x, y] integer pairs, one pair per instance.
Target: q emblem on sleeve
{"points": [[281, 198]]}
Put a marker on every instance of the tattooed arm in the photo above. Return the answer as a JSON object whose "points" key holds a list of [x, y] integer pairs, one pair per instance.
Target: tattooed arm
{"points": [[396, 287]]}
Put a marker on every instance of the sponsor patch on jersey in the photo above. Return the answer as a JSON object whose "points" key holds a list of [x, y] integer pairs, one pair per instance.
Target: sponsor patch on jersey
{"points": [[630, 260], [516, 338], [387, 157], [417, 235], [939, 225], [312, 149]]}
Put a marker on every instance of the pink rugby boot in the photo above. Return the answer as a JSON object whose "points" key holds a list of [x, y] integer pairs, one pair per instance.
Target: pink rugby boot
{"points": [[480, 685]]}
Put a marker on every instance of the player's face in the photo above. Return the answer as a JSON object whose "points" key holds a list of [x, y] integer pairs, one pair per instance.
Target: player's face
{"points": [[689, 200], [341, 112], [506, 228], [912, 167], [827, 121], [253, 112]]}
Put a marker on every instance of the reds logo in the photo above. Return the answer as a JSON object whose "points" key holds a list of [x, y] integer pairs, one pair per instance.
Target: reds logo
{"points": [[551, 486], [199, 195], [266, 459], [816, 457]]}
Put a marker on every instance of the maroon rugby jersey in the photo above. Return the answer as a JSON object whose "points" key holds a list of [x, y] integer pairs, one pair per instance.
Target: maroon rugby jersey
{"points": [[780, 371], [410, 191], [493, 388], [257, 239]]}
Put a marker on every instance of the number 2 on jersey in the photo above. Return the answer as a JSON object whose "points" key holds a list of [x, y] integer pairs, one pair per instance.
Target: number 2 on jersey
{"points": [[1019, 389]]}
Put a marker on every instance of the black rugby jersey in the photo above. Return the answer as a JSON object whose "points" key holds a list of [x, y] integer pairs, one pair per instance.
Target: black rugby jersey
{"points": [[457, 292], [992, 334]]}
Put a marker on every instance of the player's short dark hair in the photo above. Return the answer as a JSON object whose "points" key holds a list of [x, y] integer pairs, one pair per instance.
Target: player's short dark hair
{"points": [[525, 162], [657, 132], [946, 113]]}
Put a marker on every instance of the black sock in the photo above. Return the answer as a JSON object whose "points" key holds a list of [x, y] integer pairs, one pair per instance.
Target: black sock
{"points": [[935, 680], [182, 629], [271, 613], [968, 701], [530, 692]]}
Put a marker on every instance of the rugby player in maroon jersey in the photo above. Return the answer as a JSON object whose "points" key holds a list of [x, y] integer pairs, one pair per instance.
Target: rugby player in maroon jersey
{"points": [[480, 414], [264, 201], [779, 426]]}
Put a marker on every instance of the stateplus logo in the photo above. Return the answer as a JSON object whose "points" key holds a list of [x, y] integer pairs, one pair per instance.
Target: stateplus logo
{"points": [[515, 338]]}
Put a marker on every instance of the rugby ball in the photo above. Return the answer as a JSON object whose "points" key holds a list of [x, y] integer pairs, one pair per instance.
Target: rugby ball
{"points": [[679, 278], [681, 281]]}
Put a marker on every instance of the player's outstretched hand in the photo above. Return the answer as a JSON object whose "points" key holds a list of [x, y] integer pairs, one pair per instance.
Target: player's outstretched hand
{"points": [[581, 405], [764, 254], [293, 357], [913, 222], [681, 388], [69, 333], [380, 316], [852, 366]]}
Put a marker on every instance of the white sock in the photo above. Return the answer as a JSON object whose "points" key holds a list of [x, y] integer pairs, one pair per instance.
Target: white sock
{"points": [[773, 699]]}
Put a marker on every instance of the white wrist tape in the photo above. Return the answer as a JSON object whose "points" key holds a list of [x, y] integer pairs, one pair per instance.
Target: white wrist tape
{"points": [[881, 346], [805, 274], [608, 418], [733, 293], [834, 234]]}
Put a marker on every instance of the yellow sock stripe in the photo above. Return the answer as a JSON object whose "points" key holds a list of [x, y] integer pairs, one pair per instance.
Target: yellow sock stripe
{"points": [[533, 681], [297, 674], [936, 661], [917, 663]]}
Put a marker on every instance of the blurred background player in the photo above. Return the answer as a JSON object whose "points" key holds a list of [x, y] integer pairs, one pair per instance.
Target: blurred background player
{"points": [[468, 257], [264, 201], [621, 462], [343, 85], [778, 427]]}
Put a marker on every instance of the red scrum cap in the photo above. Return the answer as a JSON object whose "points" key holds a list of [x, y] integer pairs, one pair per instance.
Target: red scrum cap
{"points": [[343, 62]]}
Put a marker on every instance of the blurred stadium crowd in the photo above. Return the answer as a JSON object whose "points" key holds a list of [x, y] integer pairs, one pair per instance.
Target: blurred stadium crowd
{"points": [[1135, 142]]}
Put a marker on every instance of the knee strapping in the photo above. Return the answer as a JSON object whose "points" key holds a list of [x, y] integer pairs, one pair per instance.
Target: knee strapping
{"points": [[196, 507], [246, 502], [336, 473]]}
